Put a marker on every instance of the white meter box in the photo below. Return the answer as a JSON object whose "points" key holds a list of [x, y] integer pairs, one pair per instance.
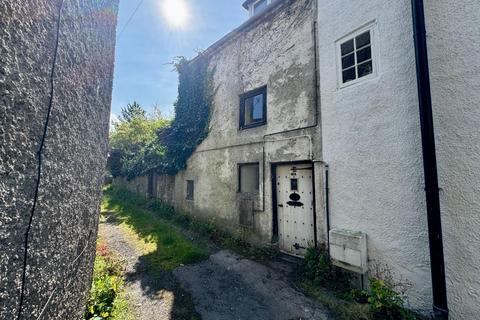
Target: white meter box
{"points": [[348, 250]]}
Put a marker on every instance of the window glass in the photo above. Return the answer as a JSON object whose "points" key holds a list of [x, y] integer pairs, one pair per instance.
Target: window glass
{"points": [[356, 57], [249, 178], [362, 40], [364, 54], [190, 189], [348, 61], [260, 6], [365, 69], [252, 108], [348, 75], [347, 47]]}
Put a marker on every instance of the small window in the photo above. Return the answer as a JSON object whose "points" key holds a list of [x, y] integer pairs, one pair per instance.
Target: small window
{"points": [[249, 178], [190, 189], [253, 108], [356, 57], [260, 7]]}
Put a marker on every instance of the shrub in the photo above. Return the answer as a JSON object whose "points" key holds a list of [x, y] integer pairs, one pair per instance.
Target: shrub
{"points": [[385, 302]]}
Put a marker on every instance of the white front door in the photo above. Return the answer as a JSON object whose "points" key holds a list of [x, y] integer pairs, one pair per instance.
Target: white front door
{"points": [[295, 208]]}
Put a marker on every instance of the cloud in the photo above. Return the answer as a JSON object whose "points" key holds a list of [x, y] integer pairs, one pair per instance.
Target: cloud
{"points": [[113, 120]]}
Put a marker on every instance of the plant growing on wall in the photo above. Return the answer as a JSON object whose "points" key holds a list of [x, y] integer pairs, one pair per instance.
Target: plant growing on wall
{"points": [[192, 113], [141, 144]]}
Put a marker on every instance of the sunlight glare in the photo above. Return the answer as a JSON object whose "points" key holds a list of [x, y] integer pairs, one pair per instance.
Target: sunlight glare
{"points": [[175, 12]]}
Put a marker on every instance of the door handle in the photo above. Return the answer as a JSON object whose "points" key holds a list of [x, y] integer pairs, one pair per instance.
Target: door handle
{"points": [[280, 205]]}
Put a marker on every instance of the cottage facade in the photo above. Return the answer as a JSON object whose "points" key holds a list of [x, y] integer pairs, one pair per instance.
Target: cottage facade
{"points": [[315, 138]]}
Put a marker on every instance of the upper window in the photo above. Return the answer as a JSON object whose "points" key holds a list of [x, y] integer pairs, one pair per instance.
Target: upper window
{"points": [[253, 108], [260, 6], [249, 177], [356, 58]]}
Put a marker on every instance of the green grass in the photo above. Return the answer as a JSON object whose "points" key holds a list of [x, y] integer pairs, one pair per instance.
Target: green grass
{"points": [[164, 247], [154, 210]]}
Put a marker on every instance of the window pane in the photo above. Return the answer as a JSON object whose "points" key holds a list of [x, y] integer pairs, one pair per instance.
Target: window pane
{"points": [[347, 47], [365, 69], [364, 54], [348, 75], [260, 6], [249, 178], [348, 61], [190, 189], [363, 39], [254, 110]]}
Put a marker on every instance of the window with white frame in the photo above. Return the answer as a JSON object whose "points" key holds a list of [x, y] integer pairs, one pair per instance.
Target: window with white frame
{"points": [[356, 57]]}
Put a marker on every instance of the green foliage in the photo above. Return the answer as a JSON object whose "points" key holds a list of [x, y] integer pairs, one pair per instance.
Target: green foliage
{"points": [[317, 269], [165, 247], [135, 206], [107, 282], [192, 113], [132, 111], [134, 147], [140, 144], [385, 302]]}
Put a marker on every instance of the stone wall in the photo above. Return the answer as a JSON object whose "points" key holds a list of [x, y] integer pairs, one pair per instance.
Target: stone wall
{"points": [[276, 50], [56, 101]]}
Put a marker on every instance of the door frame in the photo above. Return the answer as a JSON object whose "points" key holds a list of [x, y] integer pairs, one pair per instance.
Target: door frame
{"points": [[273, 172]]}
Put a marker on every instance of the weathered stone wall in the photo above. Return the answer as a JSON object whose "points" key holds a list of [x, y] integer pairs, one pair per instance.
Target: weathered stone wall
{"points": [[162, 186], [276, 50], [57, 221]]}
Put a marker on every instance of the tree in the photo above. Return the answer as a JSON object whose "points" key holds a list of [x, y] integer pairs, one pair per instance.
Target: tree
{"points": [[133, 111]]}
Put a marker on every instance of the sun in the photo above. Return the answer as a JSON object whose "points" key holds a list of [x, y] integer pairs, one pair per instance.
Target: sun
{"points": [[175, 12]]}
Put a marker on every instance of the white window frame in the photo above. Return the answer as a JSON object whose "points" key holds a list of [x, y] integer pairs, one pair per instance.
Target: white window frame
{"points": [[252, 6], [372, 27]]}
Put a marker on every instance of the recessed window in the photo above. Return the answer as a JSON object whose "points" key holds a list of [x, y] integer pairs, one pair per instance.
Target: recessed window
{"points": [[260, 6], [249, 177], [253, 108], [190, 189], [356, 59]]}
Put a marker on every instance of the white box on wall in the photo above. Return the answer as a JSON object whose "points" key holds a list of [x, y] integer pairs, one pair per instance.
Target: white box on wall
{"points": [[348, 250]]}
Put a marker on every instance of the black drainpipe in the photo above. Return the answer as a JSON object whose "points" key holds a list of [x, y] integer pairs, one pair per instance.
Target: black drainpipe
{"points": [[437, 264]]}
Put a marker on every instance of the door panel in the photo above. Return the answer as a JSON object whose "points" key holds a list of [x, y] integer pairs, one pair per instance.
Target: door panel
{"points": [[295, 208]]}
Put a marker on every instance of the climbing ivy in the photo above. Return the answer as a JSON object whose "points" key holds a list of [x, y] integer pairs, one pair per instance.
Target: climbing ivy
{"points": [[140, 145], [192, 113]]}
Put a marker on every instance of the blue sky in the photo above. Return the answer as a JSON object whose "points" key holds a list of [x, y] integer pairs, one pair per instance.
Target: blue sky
{"points": [[149, 43]]}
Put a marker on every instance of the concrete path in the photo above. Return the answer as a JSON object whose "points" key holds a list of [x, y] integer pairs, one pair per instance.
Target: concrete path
{"points": [[227, 287]]}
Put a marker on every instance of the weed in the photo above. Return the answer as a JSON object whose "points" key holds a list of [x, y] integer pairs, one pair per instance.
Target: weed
{"points": [[106, 300]]}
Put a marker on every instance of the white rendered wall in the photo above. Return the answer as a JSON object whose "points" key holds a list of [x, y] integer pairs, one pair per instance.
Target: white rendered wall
{"points": [[453, 35], [372, 143]]}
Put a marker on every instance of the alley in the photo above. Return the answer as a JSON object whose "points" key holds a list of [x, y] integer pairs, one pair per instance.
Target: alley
{"points": [[225, 286]]}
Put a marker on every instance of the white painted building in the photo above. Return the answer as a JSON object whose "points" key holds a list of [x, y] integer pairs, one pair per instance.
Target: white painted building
{"points": [[278, 126]]}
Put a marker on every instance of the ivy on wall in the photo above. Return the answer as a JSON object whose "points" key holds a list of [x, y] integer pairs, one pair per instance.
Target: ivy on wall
{"points": [[192, 113], [135, 152]]}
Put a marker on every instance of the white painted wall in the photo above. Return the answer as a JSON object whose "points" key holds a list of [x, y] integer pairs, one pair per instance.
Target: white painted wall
{"points": [[371, 141], [453, 35]]}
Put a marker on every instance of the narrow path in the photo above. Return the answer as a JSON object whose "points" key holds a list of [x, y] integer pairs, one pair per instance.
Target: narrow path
{"points": [[228, 287], [224, 287], [149, 295]]}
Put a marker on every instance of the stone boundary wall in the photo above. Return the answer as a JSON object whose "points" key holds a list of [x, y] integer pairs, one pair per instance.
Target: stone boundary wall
{"points": [[56, 71]]}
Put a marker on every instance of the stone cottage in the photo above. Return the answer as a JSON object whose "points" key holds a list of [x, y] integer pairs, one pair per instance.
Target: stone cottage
{"points": [[316, 138]]}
